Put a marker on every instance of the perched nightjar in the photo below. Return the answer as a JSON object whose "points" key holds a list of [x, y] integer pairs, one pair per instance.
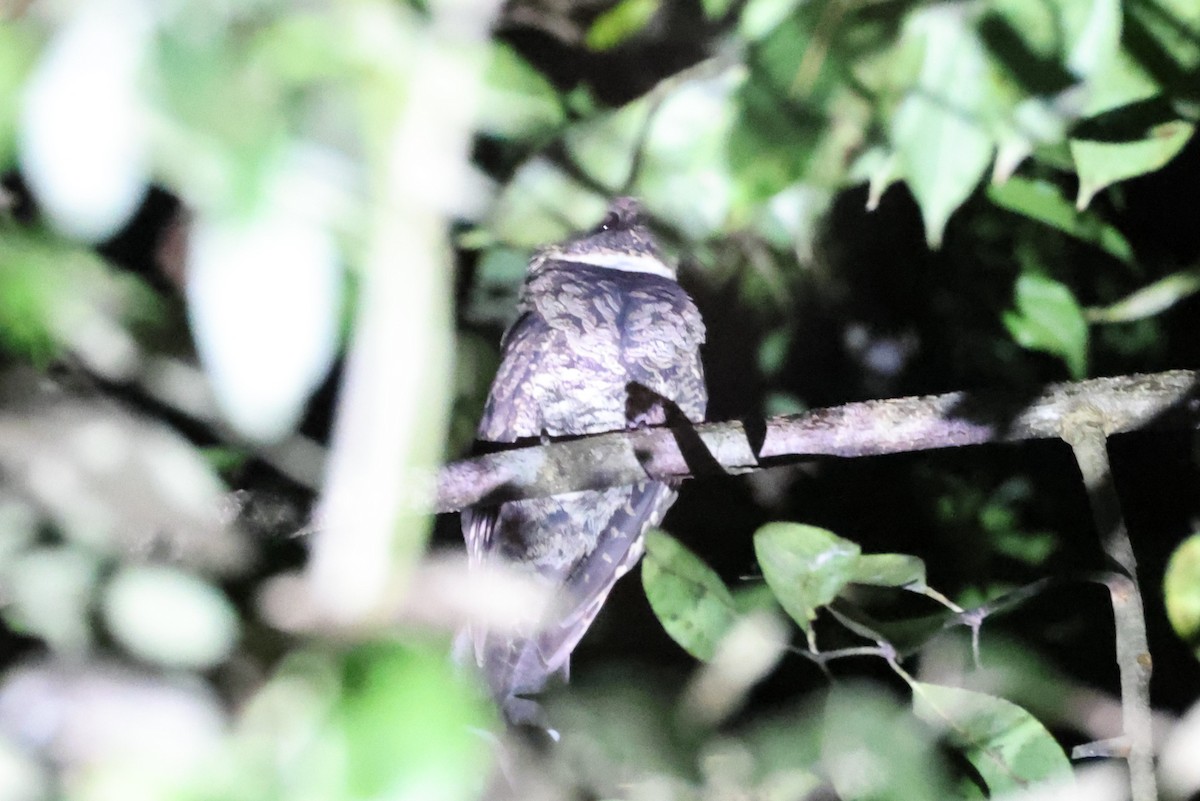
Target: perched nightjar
{"points": [[605, 340]]}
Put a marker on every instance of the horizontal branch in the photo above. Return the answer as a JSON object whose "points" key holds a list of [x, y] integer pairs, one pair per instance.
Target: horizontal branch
{"points": [[869, 428]]}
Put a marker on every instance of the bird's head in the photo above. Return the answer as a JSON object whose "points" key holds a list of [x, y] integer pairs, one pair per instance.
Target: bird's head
{"points": [[621, 241]]}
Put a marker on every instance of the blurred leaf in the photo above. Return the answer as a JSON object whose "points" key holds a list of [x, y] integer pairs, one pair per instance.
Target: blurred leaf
{"points": [[888, 570], [131, 732], [1049, 319], [223, 124], [938, 131], [771, 141], [872, 748], [518, 102], [684, 173], [620, 23], [49, 595], [1044, 202], [22, 777], [761, 17], [263, 301], [542, 204], [82, 135], [493, 294], [1149, 300], [716, 9], [1007, 745], [1163, 37], [125, 484], [606, 146], [690, 600], [412, 729], [169, 617], [753, 596], [18, 48], [1124, 143], [806, 566], [1181, 592], [773, 350], [55, 297]]}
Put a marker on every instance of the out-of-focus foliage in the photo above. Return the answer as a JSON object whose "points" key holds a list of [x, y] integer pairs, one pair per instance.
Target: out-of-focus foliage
{"points": [[1181, 591], [206, 207]]}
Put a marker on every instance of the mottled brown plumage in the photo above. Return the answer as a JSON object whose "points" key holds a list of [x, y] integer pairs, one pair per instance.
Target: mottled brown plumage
{"points": [[605, 340]]}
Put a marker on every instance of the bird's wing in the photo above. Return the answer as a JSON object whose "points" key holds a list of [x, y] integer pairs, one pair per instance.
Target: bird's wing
{"points": [[618, 548]]}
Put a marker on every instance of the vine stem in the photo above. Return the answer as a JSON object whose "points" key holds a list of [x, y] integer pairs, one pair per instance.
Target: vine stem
{"points": [[1085, 431]]}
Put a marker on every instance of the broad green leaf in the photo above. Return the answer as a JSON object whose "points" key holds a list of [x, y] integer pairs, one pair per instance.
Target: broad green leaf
{"points": [[1103, 163], [517, 100], [806, 566], [873, 748], [938, 131], [1181, 592], [1049, 319], [888, 570], [1043, 201], [1149, 300], [692, 603], [620, 23], [1009, 747]]}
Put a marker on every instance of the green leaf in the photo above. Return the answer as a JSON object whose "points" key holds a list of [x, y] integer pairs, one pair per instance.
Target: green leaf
{"points": [[888, 570], [1149, 300], [692, 603], [1049, 319], [1007, 745], [1044, 202], [517, 100], [620, 23], [806, 566], [1103, 163], [938, 130], [1181, 592]]}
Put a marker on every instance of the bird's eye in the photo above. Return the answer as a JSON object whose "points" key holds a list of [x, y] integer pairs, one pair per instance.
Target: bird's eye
{"points": [[610, 221]]}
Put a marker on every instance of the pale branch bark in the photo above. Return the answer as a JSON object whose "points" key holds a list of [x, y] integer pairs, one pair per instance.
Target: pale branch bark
{"points": [[1125, 403], [1085, 430]]}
